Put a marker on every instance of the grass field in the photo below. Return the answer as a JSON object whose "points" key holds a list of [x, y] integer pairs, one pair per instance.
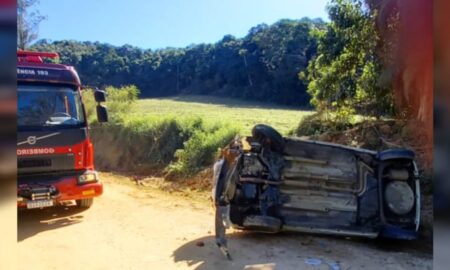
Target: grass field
{"points": [[176, 136], [240, 113]]}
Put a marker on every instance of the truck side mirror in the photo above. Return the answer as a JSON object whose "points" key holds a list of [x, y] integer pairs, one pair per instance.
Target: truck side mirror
{"points": [[100, 96], [102, 114]]}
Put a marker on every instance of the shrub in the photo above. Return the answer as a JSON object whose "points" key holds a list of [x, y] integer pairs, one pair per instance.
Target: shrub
{"points": [[119, 102], [201, 149], [316, 124]]}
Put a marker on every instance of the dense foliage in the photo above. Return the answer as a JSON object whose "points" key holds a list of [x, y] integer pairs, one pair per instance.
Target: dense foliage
{"points": [[261, 66], [346, 74]]}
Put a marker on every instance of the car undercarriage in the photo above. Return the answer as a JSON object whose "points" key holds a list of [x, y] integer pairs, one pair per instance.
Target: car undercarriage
{"points": [[268, 183]]}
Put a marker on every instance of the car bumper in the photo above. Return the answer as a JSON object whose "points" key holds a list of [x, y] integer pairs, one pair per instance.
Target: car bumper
{"points": [[394, 232]]}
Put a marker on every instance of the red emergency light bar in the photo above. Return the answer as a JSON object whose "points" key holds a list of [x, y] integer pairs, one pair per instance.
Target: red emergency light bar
{"points": [[34, 57]]}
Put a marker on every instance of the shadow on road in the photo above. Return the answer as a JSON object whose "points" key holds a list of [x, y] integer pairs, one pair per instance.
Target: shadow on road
{"points": [[283, 251], [209, 256], [287, 251], [32, 222]]}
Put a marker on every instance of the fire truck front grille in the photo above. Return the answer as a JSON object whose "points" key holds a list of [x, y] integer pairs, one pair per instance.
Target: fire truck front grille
{"points": [[33, 163]]}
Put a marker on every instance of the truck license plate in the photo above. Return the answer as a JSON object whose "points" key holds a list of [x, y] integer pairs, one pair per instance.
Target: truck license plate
{"points": [[39, 204]]}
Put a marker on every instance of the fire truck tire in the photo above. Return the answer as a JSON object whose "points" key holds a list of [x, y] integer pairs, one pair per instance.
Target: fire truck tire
{"points": [[85, 203]]}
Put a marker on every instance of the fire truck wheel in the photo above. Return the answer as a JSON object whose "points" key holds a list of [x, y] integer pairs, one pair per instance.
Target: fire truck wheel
{"points": [[85, 203]]}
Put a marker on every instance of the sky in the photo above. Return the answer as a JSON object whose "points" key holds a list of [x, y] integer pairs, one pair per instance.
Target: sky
{"points": [[165, 23]]}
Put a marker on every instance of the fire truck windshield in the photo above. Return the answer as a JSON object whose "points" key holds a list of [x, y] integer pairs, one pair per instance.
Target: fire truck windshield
{"points": [[40, 106]]}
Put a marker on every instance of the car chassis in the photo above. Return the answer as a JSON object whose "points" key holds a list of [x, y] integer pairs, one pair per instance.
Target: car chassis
{"points": [[268, 183]]}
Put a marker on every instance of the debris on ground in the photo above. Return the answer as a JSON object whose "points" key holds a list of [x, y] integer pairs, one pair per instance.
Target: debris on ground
{"points": [[200, 244], [332, 265], [313, 261]]}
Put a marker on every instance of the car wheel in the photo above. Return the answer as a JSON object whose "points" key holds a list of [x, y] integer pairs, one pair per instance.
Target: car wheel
{"points": [[85, 203], [268, 137]]}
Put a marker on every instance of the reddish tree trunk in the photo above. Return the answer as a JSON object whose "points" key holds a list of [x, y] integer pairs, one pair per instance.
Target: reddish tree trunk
{"points": [[407, 49]]}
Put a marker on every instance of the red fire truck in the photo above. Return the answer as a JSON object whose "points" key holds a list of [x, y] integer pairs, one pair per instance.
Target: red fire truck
{"points": [[55, 157]]}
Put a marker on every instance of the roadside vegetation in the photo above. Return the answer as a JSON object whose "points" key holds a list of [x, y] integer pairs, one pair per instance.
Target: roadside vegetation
{"points": [[174, 137], [174, 145], [351, 82]]}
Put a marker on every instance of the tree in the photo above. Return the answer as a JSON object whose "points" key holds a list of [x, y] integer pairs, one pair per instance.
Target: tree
{"points": [[27, 23], [346, 73], [262, 66]]}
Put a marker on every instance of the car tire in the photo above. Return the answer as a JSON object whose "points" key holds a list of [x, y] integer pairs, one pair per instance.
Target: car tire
{"points": [[267, 136], [85, 203]]}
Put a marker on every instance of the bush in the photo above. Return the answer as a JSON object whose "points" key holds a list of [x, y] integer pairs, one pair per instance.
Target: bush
{"points": [[201, 149], [316, 124], [179, 145], [119, 102]]}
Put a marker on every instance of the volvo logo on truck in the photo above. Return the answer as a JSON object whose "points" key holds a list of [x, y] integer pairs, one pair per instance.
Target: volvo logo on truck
{"points": [[55, 156], [32, 139]]}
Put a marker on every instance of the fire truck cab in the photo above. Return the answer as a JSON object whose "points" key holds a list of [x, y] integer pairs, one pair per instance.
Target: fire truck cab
{"points": [[55, 157]]}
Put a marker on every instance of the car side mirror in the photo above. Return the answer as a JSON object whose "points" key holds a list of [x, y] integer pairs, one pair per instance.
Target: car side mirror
{"points": [[102, 114], [100, 96]]}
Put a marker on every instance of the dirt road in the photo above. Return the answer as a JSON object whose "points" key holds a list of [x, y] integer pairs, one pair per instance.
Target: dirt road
{"points": [[131, 228]]}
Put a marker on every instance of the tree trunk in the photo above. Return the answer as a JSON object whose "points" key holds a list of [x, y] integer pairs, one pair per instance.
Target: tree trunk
{"points": [[248, 74]]}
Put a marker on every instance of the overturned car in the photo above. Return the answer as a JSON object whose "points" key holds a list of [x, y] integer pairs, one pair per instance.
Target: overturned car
{"points": [[268, 183]]}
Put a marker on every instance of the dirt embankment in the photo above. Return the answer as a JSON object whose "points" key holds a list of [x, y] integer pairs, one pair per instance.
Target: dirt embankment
{"points": [[139, 227]]}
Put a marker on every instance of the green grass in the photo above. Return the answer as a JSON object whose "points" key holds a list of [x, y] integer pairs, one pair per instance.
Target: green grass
{"points": [[243, 115], [176, 136]]}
